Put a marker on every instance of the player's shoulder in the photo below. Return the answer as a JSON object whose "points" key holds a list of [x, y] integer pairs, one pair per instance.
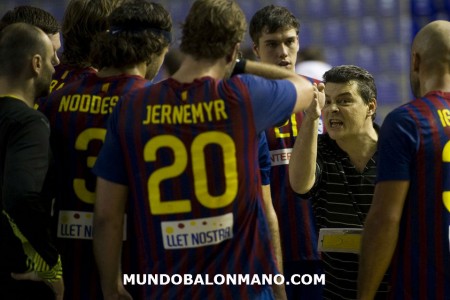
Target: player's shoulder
{"points": [[21, 114]]}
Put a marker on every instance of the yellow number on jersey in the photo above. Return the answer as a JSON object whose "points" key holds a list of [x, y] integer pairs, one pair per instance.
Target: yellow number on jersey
{"points": [[293, 122], [81, 143], [179, 166], [446, 159]]}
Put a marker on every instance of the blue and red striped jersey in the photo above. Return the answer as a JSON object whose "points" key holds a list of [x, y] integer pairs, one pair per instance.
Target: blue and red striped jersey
{"points": [[65, 74], [295, 215], [414, 145], [78, 115], [189, 154], [264, 159]]}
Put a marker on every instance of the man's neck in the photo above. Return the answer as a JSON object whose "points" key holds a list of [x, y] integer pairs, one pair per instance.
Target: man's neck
{"points": [[138, 70], [192, 69], [361, 145], [23, 92], [436, 83]]}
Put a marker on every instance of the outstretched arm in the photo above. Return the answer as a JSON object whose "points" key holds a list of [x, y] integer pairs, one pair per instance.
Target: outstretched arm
{"points": [[305, 90], [302, 165]]}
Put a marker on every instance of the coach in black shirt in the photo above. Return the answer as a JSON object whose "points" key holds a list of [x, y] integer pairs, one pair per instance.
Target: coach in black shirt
{"points": [[337, 170]]}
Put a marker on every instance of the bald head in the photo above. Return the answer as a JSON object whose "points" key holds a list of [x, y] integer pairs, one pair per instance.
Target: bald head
{"points": [[26, 59], [430, 61], [433, 43], [18, 43]]}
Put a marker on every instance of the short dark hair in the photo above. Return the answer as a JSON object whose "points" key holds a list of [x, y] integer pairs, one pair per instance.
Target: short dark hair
{"points": [[347, 73], [33, 16], [82, 20], [272, 18], [138, 30], [18, 43], [212, 28]]}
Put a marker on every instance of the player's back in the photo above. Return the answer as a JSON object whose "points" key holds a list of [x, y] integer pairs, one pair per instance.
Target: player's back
{"points": [[66, 74], [190, 160], [78, 115], [427, 205]]}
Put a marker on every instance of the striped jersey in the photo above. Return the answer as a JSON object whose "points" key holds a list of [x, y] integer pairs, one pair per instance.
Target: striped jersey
{"points": [[189, 154], [341, 198], [295, 216], [264, 159], [78, 115], [415, 146], [65, 74]]}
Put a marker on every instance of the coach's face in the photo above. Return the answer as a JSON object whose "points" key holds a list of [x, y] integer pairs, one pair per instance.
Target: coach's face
{"points": [[345, 114]]}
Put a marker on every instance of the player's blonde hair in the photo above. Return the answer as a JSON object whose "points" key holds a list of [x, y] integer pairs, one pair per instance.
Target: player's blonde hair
{"points": [[212, 28]]}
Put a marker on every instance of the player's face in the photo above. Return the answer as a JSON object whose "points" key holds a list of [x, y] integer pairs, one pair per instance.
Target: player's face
{"points": [[56, 42], [278, 48], [345, 114], [49, 60]]}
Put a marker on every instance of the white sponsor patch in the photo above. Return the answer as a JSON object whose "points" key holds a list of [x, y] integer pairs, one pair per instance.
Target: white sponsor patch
{"points": [[197, 232], [280, 157], [78, 225]]}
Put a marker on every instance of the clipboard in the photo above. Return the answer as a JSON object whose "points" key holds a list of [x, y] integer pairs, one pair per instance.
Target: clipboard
{"points": [[346, 240]]}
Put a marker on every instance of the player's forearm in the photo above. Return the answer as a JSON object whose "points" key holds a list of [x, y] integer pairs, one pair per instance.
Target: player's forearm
{"points": [[108, 233], [378, 245], [274, 229], [304, 88], [302, 164], [271, 71], [272, 220], [107, 242]]}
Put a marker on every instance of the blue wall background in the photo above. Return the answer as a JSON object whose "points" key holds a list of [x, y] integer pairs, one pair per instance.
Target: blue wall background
{"points": [[374, 34]]}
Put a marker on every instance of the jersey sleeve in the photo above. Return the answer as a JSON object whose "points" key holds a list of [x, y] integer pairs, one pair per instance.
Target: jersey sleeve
{"points": [[273, 100], [110, 163], [397, 145], [265, 162]]}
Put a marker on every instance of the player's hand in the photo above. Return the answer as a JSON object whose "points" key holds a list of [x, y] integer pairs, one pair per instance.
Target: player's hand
{"points": [[279, 291], [321, 94], [56, 286], [117, 294], [313, 111]]}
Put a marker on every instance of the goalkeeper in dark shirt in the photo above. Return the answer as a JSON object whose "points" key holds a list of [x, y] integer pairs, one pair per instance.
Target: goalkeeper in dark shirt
{"points": [[30, 267]]}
